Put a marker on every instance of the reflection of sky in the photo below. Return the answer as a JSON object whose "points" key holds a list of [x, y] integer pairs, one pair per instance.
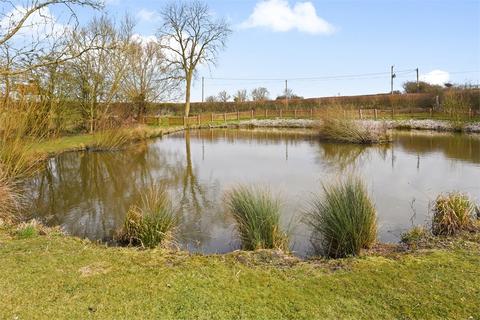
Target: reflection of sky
{"points": [[293, 167]]}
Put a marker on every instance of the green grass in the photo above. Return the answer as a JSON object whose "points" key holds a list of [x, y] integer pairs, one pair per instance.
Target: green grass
{"points": [[257, 216], [152, 221], [56, 277], [343, 220]]}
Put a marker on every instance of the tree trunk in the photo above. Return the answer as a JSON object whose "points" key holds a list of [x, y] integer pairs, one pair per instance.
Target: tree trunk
{"points": [[187, 95]]}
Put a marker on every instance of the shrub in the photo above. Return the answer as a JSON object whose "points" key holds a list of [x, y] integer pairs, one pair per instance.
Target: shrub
{"points": [[452, 212], [349, 131], [151, 222], [257, 217], [344, 221]]}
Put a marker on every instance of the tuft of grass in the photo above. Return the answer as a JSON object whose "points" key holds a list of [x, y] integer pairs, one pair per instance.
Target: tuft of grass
{"points": [[452, 212], [257, 217], [26, 232], [152, 221], [344, 220], [109, 140], [414, 235], [349, 131]]}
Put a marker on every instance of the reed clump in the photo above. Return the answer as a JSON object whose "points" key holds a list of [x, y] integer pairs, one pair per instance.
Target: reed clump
{"points": [[257, 216], [344, 220], [452, 213], [349, 131], [151, 222], [109, 140]]}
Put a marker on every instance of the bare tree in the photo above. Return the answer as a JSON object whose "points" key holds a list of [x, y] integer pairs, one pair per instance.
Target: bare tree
{"points": [[97, 74], [223, 96], [148, 78], [191, 35], [31, 36], [260, 94], [240, 96], [211, 99]]}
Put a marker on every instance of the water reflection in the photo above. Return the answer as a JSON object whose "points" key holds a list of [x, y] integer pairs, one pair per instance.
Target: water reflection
{"points": [[88, 194]]}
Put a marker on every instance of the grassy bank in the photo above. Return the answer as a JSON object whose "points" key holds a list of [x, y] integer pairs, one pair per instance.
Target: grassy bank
{"points": [[61, 277]]}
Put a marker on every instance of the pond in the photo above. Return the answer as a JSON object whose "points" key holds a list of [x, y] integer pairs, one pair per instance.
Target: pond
{"points": [[89, 193]]}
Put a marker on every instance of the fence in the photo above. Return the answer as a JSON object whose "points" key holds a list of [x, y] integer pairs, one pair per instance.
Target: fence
{"points": [[364, 114]]}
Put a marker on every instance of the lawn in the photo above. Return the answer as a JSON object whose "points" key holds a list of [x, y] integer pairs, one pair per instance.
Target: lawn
{"points": [[58, 277]]}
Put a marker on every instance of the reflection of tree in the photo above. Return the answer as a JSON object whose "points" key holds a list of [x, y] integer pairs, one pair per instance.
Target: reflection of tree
{"points": [[82, 190], [464, 147]]}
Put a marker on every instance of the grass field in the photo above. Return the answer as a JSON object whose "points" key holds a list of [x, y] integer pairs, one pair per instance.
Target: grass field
{"points": [[58, 277]]}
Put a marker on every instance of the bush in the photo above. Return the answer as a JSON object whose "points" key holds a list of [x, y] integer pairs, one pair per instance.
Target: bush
{"points": [[452, 213], [151, 222], [344, 221], [257, 217], [349, 131]]}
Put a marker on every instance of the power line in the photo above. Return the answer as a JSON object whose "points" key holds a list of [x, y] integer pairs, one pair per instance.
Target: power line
{"points": [[360, 75]]}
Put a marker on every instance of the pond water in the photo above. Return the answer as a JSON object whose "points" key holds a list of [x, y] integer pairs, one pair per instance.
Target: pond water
{"points": [[89, 193]]}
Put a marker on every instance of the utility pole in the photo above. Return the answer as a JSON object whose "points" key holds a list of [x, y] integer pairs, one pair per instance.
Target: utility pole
{"points": [[203, 88], [286, 93], [418, 83], [392, 75]]}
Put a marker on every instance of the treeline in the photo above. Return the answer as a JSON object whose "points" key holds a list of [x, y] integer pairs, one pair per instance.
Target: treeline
{"points": [[453, 98]]}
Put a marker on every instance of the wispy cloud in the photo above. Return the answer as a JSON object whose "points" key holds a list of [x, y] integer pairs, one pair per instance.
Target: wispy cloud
{"points": [[147, 15], [279, 16], [438, 77]]}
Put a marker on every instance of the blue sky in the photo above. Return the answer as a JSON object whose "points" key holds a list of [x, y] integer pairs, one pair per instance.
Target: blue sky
{"points": [[279, 39]]}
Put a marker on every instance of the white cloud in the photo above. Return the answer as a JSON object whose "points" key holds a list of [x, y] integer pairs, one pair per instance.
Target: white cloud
{"points": [[41, 26], [279, 16], [147, 15], [143, 39], [437, 77]]}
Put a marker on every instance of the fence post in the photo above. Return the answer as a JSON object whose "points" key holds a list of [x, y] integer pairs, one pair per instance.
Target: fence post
{"points": [[376, 113], [281, 113], [431, 112], [211, 117], [360, 116], [295, 114], [251, 114], [311, 113], [266, 113]]}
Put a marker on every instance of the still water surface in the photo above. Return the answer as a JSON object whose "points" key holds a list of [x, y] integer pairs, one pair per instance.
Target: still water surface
{"points": [[88, 194]]}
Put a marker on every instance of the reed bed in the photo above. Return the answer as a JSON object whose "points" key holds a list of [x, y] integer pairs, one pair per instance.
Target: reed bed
{"points": [[349, 131], [109, 140], [257, 216], [452, 213], [151, 222], [344, 220]]}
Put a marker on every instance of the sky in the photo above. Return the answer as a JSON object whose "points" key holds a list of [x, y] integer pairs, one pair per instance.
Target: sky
{"points": [[327, 48]]}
